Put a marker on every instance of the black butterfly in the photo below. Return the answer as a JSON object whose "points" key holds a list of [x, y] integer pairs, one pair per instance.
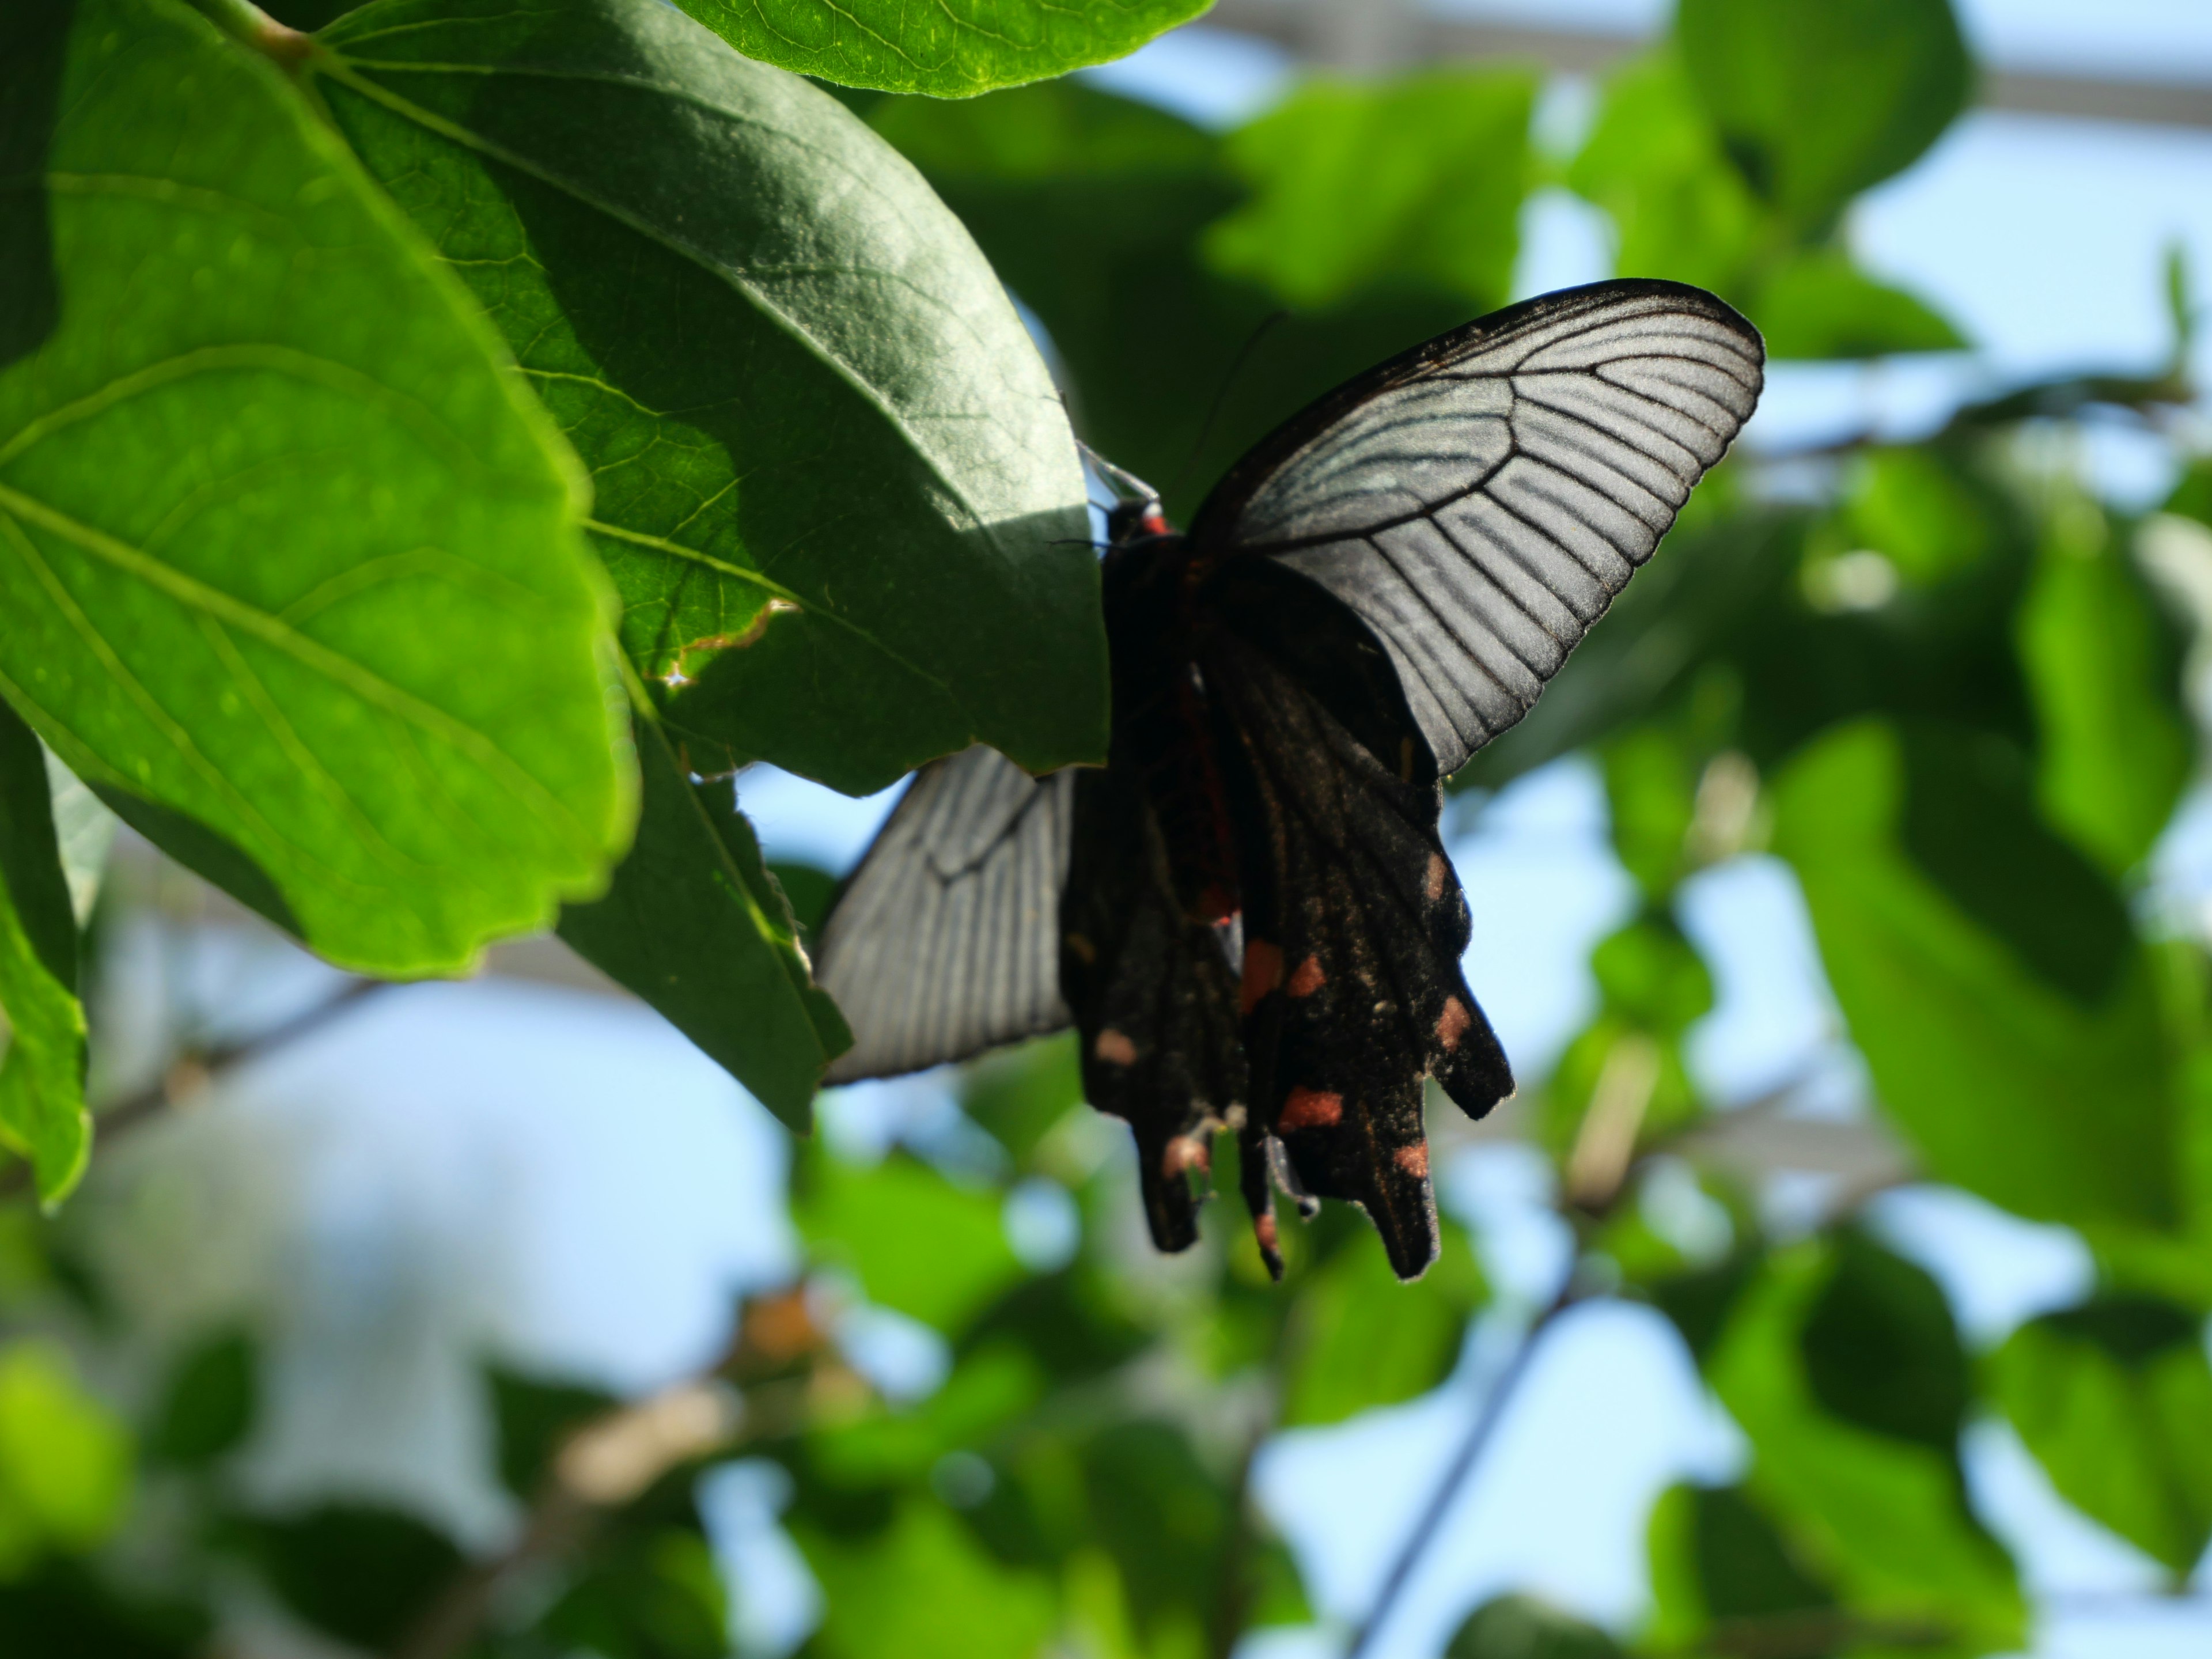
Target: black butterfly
{"points": [[1248, 912]]}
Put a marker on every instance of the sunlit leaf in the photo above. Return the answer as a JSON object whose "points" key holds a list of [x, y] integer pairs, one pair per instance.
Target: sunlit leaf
{"points": [[924, 1588], [1814, 103], [1915, 508], [2007, 1015], [1415, 182], [2115, 1400], [834, 484], [1360, 1340], [64, 1461], [918, 1244], [42, 1110], [2115, 745], [951, 50], [1720, 1568], [287, 550], [1818, 304], [694, 924]]}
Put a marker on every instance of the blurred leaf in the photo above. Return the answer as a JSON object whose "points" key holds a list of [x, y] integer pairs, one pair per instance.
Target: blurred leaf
{"points": [[1362, 1340], [1652, 792], [213, 1396], [1880, 1350], [1652, 161], [1818, 304], [1882, 1519], [404, 720], [2116, 749], [924, 1590], [694, 924], [1075, 1323], [1092, 208], [1413, 181], [657, 1595], [1814, 102], [807, 889], [42, 1035], [951, 51], [1521, 1627], [988, 1388], [831, 467], [62, 1612], [1167, 1521], [1987, 1066], [1020, 1093], [1915, 508], [2115, 1400], [918, 1244], [64, 1461], [534, 1418], [1720, 1568], [363, 1575], [1699, 1301]]}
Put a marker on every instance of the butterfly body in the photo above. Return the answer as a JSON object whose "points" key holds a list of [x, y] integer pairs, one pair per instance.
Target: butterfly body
{"points": [[1248, 913]]}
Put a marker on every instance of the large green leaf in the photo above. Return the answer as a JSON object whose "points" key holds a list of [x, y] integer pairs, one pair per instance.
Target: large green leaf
{"points": [[924, 1588], [1722, 1572], [64, 1461], [1361, 1339], [1357, 184], [1879, 1516], [695, 924], [286, 548], [954, 49], [42, 1110], [1521, 1627], [1818, 304], [2007, 1015], [2115, 1400], [833, 475], [1815, 102], [918, 1244], [2116, 744]]}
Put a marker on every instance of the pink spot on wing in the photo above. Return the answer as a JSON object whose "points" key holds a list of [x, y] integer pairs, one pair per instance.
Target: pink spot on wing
{"points": [[1263, 972], [1452, 1023], [1115, 1048], [1413, 1160], [1439, 873], [1309, 978], [1187, 1152], [1311, 1108]]}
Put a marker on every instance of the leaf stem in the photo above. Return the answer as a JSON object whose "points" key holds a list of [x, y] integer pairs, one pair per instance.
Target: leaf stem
{"points": [[1476, 1441], [246, 23]]}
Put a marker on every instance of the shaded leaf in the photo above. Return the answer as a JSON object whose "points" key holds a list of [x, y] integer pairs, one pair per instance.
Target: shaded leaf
{"points": [[62, 1610], [1818, 304], [364, 1575], [1880, 1350], [918, 1244], [42, 1040], [2116, 750], [213, 1396], [406, 719], [831, 468], [1362, 1339], [951, 51], [2115, 1400], [1814, 103], [534, 1417], [1719, 1564], [923, 1589], [1415, 181], [1521, 1627], [657, 1595], [988, 1388], [1987, 1066], [1020, 1093], [64, 1461], [694, 923], [1917, 508]]}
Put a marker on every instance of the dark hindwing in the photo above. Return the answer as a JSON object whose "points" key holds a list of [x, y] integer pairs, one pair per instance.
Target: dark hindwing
{"points": [[1153, 998], [945, 940], [1479, 502], [1354, 925]]}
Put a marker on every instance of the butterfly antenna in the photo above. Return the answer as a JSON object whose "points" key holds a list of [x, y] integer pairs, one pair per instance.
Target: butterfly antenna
{"points": [[1221, 396]]}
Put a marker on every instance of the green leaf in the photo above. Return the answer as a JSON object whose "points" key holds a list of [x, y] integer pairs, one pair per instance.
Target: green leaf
{"points": [[695, 924], [1721, 1568], [918, 1244], [2115, 1400], [42, 1110], [65, 1610], [1818, 304], [364, 1575], [64, 1461], [952, 50], [1521, 1627], [2117, 751], [1880, 1350], [534, 1417], [1652, 162], [989, 1388], [833, 475], [656, 1594], [924, 1588], [285, 545], [1361, 1339], [1880, 1518], [214, 1395], [1815, 103], [2012, 1033], [1020, 1093], [1919, 510], [1414, 182]]}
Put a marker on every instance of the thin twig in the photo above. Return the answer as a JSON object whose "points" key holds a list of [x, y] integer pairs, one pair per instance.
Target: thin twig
{"points": [[1463, 1463]]}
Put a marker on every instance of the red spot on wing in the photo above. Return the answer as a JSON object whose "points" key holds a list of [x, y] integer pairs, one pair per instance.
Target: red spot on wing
{"points": [[1413, 1160], [1187, 1152], [1309, 978], [1311, 1108], [1439, 874], [1115, 1048], [1263, 972], [1271, 1244], [1452, 1023]]}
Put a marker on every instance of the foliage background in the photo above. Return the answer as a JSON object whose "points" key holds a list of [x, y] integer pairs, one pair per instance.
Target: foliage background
{"points": [[1853, 1226]]}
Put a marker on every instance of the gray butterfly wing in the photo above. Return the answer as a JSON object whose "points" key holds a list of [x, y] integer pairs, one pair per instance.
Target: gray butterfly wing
{"points": [[946, 940], [1479, 500]]}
